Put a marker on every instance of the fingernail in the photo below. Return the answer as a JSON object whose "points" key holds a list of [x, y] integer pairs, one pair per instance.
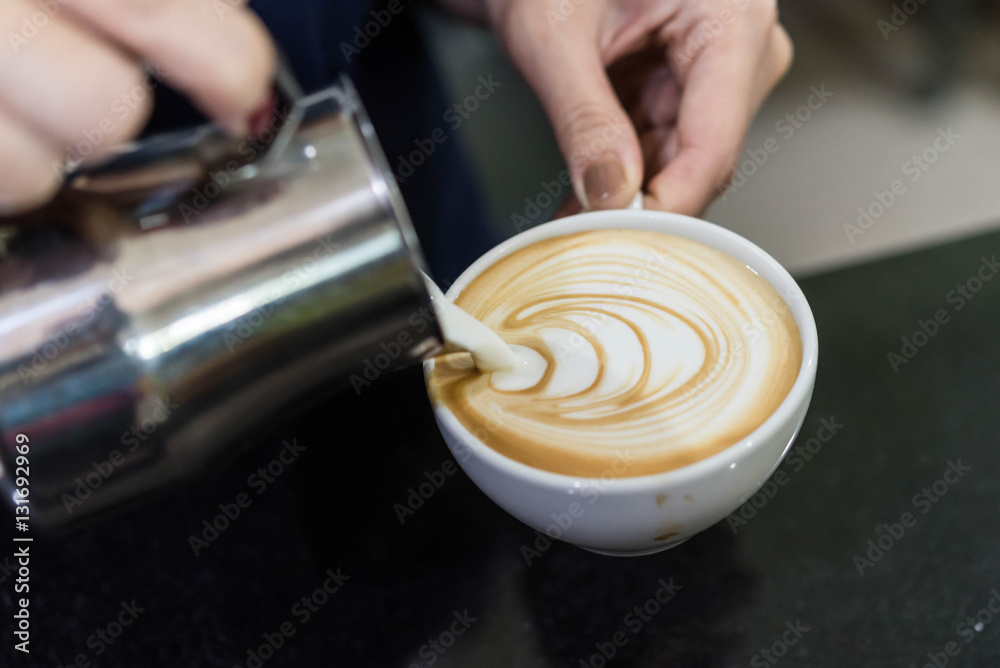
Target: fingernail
{"points": [[602, 181]]}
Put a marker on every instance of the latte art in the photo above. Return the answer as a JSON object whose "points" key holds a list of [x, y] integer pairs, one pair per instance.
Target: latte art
{"points": [[638, 352]]}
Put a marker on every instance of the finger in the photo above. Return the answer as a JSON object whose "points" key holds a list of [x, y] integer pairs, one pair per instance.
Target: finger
{"points": [[29, 167], [719, 99], [597, 139], [219, 55], [66, 85]]}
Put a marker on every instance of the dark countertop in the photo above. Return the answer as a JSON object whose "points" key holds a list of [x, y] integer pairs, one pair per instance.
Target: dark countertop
{"points": [[455, 565]]}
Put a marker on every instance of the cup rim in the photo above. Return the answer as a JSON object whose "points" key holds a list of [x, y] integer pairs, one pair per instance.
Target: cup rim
{"points": [[684, 226]]}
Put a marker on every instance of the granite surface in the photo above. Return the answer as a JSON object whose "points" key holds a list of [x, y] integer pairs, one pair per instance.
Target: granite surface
{"points": [[880, 549]]}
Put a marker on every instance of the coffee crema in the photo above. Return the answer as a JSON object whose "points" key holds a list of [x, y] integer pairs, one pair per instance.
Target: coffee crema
{"points": [[639, 352]]}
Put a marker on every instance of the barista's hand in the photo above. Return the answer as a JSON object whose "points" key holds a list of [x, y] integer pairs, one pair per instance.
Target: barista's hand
{"points": [[657, 93], [71, 80]]}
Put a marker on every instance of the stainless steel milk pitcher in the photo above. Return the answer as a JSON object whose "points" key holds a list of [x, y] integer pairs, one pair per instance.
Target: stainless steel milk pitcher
{"points": [[174, 297]]}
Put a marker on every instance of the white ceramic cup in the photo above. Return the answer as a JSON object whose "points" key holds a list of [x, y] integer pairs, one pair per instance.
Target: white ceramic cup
{"points": [[648, 513]]}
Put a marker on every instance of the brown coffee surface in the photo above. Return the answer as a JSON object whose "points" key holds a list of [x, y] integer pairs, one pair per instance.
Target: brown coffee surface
{"points": [[659, 351]]}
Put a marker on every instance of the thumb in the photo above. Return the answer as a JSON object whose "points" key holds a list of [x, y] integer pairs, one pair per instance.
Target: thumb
{"points": [[595, 134]]}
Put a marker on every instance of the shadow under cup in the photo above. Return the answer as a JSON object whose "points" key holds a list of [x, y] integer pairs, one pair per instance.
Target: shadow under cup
{"points": [[648, 513]]}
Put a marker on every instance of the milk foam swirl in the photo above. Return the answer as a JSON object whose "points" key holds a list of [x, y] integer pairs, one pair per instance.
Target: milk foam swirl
{"points": [[638, 348]]}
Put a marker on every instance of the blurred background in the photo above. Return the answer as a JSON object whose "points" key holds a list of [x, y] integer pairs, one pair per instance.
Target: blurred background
{"points": [[894, 82]]}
